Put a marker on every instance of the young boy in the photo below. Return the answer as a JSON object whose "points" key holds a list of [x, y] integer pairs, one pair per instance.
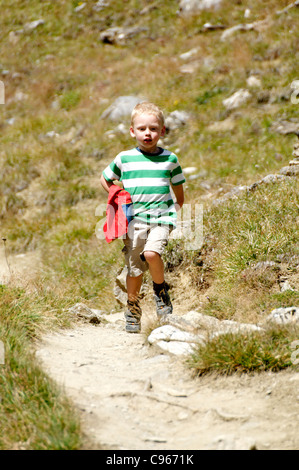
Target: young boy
{"points": [[147, 172]]}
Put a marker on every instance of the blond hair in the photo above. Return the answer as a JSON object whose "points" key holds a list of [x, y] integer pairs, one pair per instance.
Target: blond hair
{"points": [[148, 108]]}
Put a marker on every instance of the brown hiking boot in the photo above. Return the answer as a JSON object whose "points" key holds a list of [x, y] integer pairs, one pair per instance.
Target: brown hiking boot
{"points": [[133, 317]]}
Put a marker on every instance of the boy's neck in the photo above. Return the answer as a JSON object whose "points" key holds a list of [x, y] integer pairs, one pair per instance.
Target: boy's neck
{"points": [[157, 151]]}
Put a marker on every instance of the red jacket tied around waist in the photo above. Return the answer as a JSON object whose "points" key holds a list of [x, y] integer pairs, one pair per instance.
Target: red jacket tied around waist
{"points": [[118, 214]]}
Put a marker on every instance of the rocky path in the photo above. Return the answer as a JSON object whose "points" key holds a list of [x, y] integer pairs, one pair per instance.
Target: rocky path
{"points": [[131, 396]]}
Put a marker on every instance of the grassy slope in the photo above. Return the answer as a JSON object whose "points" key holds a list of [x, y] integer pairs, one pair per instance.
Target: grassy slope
{"points": [[49, 186]]}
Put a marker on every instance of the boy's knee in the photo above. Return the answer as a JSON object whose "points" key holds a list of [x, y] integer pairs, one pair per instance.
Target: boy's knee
{"points": [[151, 256]]}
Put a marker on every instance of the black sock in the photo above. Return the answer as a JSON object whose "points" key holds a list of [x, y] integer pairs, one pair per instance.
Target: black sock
{"points": [[158, 287]]}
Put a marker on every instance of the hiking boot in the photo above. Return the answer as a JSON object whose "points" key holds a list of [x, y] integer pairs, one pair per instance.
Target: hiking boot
{"points": [[133, 316], [163, 304]]}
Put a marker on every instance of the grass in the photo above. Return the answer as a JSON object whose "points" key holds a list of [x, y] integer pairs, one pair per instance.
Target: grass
{"points": [[54, 147], [229, 354], [34, 413]]}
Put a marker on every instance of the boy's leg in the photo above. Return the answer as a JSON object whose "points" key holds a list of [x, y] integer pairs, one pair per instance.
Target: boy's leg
{"points": [[133, 287], [136, 267], [154, 248], [156, 266]]}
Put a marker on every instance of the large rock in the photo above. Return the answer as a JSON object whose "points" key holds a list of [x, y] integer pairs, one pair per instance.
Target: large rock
{"points": [[176, 119], [174, 340], [184, 333], [284, 315], [121, 107]]}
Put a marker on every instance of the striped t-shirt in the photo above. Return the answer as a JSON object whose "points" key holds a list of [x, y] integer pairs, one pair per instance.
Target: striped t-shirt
{"points": [[147, 178]]}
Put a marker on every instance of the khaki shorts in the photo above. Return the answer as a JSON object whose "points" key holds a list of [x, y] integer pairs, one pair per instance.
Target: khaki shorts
{"points": [[142, 237]]}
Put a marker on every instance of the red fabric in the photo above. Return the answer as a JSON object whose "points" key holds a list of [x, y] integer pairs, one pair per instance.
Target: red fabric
{"points": [[117, 222]]}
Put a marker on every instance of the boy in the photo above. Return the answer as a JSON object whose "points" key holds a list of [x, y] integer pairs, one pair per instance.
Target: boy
{"points": [[147, 172]]}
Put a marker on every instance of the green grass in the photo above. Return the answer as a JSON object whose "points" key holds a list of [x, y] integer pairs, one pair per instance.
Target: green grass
{"points": [[34, 413], [269, 351]]}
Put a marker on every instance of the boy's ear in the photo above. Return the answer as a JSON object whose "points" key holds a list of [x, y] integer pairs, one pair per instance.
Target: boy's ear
{"points": [[132, 133], [163, 131]]}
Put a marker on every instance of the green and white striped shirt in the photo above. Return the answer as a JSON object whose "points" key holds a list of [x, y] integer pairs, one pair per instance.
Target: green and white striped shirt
{"points": [[147, 178]]}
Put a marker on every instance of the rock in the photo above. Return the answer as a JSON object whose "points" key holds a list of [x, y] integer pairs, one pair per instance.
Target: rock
{"points": [[193, 6], [119, 35], [86, 313], [286, 127], [194, 328], [212, 27], [285, 286], [187, 55], [33, 25], [189, 170], [177, 348], [292, 170], [80, 7], [237, 99], [121, 107], [256, 26], [100, 5], [174, 340], [284, 315], [227, 125], [176, 119], [254, 82]]}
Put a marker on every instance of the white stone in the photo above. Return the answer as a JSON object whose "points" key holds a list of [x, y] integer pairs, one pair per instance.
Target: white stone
{"points": [[237, 99], [254, 82], [284, 315]]}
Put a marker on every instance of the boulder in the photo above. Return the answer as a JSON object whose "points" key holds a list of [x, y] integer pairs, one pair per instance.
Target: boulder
{"points": [[174, 340], [121, 107]]}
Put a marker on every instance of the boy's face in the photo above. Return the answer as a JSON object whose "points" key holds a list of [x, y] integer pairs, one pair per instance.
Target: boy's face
{"points": [[147, 130]]}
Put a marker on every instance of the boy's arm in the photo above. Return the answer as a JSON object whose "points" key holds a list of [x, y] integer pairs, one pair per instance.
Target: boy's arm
{"points": [[106, 184], [179, 194]]}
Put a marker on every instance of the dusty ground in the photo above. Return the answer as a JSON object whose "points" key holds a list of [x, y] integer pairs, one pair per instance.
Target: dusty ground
{"points": [[132, 397]]}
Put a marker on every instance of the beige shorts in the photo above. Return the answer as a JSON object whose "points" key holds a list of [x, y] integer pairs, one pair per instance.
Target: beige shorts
{"points": [[142, 237]]}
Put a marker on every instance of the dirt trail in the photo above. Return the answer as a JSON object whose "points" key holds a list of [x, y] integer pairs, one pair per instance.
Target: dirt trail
{"points": [[132, 397]]}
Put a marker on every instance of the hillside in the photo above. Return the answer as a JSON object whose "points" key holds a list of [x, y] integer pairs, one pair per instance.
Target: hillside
{"points": [[63, 64]]}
